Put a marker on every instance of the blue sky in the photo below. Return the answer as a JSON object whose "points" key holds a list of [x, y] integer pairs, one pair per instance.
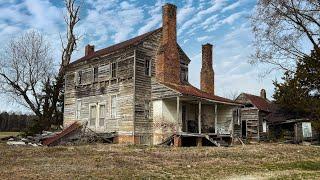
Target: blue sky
{"points": [[223, 23]]}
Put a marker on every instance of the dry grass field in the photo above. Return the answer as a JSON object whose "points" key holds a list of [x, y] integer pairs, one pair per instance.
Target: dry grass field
{"points": [[103, 161]]}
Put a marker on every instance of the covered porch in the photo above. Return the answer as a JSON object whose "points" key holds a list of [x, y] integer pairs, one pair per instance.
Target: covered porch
{"points": [[193, 120]]}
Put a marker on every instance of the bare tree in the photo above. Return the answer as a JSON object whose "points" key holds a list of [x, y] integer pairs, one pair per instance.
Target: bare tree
{"points": [[25, 66], [27, 73], [283, 29]]}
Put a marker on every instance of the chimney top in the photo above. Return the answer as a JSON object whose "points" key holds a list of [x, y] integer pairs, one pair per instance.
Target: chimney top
{"points": [[169, 5], [263, 94], [89, 49]]}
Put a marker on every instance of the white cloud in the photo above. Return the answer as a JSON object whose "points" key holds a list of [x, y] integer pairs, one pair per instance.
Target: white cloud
{"points": [[202, 38], [232, 6]]}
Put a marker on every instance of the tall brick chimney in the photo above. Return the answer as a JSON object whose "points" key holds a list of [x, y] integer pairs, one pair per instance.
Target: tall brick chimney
{"points": [[89, 50], [207, 73], [263, 94], [168, 63]]}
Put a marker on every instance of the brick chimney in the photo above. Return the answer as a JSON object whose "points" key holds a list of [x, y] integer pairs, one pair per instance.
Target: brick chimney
{"points": [[168, 63], [207, 73], [89, 50], [263, 94]]}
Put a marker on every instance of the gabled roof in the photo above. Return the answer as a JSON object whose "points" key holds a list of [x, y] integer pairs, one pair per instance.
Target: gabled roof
{"points": [[188, 89], [259, 102], [113, 48]]}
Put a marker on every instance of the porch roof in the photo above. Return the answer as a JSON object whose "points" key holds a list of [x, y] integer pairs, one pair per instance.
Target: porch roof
{"points": [[189, 90]]}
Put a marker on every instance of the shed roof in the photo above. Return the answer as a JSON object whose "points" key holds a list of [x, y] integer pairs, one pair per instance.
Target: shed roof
{"points": [[259, 102], [188, 89]]}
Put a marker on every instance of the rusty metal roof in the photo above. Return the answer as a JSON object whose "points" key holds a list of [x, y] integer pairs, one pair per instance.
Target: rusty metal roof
{"points": [[188, 89], [113, 48], [259, 102]]}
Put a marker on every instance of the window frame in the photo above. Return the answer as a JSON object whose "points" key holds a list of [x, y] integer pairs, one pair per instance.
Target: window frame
{"points": [[147, 67], [147, 109], [78, 111], [114, 69], [95, 73], [105, 114], [113, 115], [90, 115]]}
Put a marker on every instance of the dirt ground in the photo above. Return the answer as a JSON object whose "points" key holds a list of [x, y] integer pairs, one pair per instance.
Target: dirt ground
{"points": [[103, 161]]}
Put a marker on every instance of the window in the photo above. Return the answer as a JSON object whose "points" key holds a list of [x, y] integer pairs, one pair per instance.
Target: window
{"points": [[102, 114], [93, 115], [104, 71], [113, 106], [79, 77], [78, 109], [184, 74], [264, 126], [147, 67], [95, 74], [114, 70], [146, 109]]}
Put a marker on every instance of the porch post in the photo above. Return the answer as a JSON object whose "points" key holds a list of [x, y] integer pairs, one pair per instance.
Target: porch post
{"points": [[215, 118], [178, 114], [199, 118]]}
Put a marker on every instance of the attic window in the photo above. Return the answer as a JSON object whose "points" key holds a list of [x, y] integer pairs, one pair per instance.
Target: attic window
{"points": [[184, 74], [248, 105]]}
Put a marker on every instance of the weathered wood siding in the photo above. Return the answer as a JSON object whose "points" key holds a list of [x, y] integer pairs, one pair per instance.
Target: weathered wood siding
{"points": [[251, 116], [91, 92]]}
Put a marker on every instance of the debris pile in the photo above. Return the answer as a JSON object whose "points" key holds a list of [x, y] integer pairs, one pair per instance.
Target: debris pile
{"points": [[74, 134]]}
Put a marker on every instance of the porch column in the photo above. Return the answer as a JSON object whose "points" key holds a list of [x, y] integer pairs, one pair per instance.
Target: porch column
{"points": [[178, 115], [215, 118], [199, 118]]}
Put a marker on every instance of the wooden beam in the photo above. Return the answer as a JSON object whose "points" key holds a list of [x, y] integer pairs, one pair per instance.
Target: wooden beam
{"points": [[199, 118], [215, 118]]}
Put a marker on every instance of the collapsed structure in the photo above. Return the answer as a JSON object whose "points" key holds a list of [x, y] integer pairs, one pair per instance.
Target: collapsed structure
{"points": [[139, 89]]}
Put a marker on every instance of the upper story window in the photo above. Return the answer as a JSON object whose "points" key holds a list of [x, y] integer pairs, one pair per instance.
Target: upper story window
{"points": [[114, 70], [184, 74], [147, 109], [147, 67], [95, 74], [79, 77]]}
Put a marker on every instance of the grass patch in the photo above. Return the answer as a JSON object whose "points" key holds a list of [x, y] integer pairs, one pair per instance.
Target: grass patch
{"points": [[6, 134], [102, 161], [301, 165]]}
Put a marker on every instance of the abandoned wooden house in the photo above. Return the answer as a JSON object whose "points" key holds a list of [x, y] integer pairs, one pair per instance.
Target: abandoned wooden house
{"points": [[253, 126], [288, 127], [139, 90]]}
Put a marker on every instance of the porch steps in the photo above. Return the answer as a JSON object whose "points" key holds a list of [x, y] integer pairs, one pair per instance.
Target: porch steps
{"points": [[212, 141]]}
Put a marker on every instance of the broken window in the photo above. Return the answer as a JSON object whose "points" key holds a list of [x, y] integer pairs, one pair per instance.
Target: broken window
{"points": [[114, 70], [95, 74], [184, 74], [113, 106], [79, 77], [93, 115], [147, 67], [102, 114], [264, 126], [147, 109]]}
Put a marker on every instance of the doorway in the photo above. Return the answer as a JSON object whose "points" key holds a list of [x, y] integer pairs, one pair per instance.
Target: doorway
{"points": [[244, 129]]}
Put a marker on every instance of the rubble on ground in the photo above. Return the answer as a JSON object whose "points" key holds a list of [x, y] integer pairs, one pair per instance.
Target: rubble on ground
{"points": [[74, 134]]}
